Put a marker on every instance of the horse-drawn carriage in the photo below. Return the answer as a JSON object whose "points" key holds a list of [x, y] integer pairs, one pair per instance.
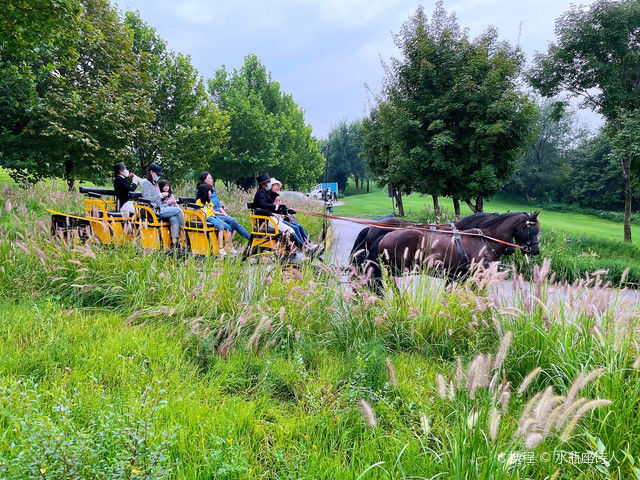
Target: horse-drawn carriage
{"points": [[101, 222]]}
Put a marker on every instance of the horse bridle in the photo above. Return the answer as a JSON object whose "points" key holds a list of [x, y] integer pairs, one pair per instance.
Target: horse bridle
{"points": [[528, 246]]}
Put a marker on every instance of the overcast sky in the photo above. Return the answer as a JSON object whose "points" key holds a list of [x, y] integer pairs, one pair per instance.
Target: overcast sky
{"points": [[325, 52]]}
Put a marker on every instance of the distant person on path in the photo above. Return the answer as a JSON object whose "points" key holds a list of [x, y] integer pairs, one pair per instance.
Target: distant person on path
{"points": [[205, 178], [124, 183], [151, 192]]}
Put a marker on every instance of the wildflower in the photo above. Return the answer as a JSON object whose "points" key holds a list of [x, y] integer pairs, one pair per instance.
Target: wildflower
{"points": [[424, 424], [136, 471], [494, 423], [42, 470], [442, 386], [472, 419]]}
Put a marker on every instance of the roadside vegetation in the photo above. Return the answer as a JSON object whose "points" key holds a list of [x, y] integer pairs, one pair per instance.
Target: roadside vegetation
{"points": [[121, 364]]}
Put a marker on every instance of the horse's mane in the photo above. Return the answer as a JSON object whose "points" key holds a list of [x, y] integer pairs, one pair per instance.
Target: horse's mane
{"points": [[465, 222], [500, 217]]}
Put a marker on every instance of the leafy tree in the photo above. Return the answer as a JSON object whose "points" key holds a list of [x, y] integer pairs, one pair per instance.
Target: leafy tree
{"points": [[36, 39], [379, 145], [342, 148], [594, 180], [90, 105], [187, 130], [543, 172], [596, 58], [267, 131], [460, 121]]}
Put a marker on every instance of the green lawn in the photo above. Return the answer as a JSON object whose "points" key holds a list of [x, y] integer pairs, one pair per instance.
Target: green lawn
{"points": [[377, 203]]}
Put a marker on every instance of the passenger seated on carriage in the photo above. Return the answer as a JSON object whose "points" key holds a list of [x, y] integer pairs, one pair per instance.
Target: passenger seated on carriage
{"points": [[205, 178], [203, 199], [123, 183], [169, 201], [289, 219], [151, 192]]}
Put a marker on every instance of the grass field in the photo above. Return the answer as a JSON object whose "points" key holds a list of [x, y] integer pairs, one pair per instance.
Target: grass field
{"points": [[121, 364]]}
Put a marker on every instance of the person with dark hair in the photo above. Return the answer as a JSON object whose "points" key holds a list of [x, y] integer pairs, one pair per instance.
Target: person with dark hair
{"points": [[151, 192], [205, 178], [124, 183], [170, 200], [203, 199]]}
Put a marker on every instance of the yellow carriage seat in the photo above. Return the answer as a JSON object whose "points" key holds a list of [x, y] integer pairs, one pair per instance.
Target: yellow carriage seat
{"points": [[154, 234], [201, 238], [265, 236], [107, 224]]}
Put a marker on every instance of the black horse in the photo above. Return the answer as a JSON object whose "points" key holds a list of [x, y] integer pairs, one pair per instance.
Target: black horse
{"points": [[369, 235], [454, 252]]}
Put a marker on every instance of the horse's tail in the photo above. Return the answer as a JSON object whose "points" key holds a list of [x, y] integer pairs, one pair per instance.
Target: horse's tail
{"points": [[358, 253]]}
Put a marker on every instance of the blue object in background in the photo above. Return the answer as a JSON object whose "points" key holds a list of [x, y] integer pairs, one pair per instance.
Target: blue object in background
{"points": [[331, 186]]}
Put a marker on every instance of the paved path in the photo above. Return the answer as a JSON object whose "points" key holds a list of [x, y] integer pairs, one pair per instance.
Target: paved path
{"points": [[344, 234]]}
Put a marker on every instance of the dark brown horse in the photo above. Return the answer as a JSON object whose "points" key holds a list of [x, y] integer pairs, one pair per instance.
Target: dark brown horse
{"points": [[451, 252], [369, 235]]}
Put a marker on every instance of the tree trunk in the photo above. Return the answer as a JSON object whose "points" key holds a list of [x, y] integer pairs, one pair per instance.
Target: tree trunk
{"points": [[68, 174], [456, 207], [628, 195], [436, 204], [475, 207], [367, 185], [357, 187], [398, 196]]}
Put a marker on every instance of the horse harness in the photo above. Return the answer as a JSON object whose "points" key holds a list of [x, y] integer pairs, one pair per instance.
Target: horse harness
{"points": [[464, 261]]}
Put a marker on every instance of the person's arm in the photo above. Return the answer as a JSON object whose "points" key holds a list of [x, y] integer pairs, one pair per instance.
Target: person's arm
{"points": [[149, 192], [122, 183]]}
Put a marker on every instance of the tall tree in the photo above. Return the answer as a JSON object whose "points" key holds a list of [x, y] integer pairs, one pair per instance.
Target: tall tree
{"points": [[92, 106], [380, 146], [542, 172], [267, 130], [596, 58], [342, 148], [460, 120], [37, 39], [186, 130]]}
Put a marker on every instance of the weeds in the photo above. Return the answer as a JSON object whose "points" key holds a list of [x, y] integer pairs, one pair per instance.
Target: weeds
{"points": [[270, 373]]}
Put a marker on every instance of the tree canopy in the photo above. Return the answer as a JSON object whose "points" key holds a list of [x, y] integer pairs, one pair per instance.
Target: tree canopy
{"points": [[596, 57], [345, 159], [267, 129], [452, 116]]}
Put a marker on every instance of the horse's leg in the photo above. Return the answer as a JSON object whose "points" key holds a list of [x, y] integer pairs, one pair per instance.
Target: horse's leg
{"points": [[359, 252], [373, 269]]}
